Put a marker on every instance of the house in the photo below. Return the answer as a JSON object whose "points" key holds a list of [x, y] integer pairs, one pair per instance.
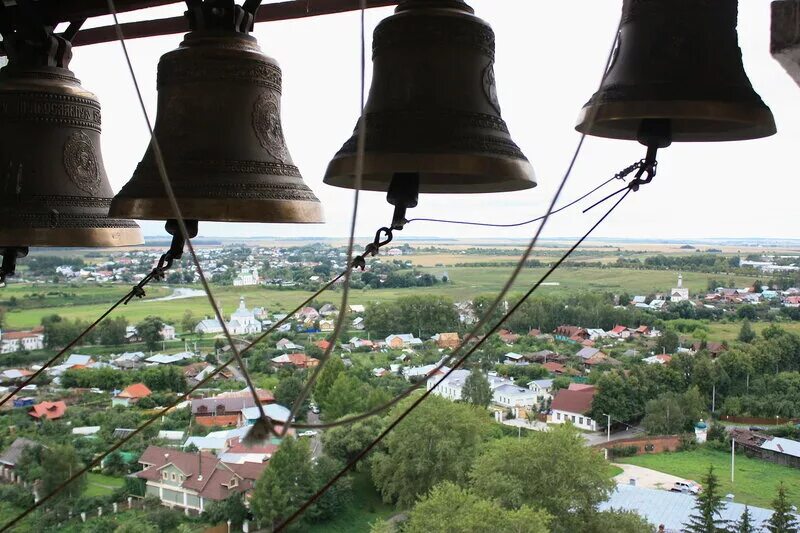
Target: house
{"points": [[307, 314], [250, 415], [508, 337], [28, 340], [416, 372], [619, 332], [403, 340], [513, 358], [541, 388], [505, 393], [287, 345], [191, 480], [162, 359], [541, 356], [661, 359], [328, 310], [129, 360], [595, 334], [573, 406], [587, 354], [570, 333], [168, 332], [11, 456], [357, 309], [246, 278], [673, 509], [355, 342], [130, 395], [224, 409], [48, 410], [714, 348], [15, 374], [447, 340], [327, 325], [555, 368], [518, 399], [358, 323], [297, 360], [208, 326]]}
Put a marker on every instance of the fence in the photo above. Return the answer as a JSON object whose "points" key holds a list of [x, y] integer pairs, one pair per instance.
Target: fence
{"points": [[654, 444], [755, 421], [768, 455]]}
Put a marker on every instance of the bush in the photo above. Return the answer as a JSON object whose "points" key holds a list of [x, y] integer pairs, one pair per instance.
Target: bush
{"points": [[622, 451], [687, 442], [16, 496]]}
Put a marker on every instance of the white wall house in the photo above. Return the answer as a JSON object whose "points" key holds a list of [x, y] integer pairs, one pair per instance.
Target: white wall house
{"points": [[573, 406]]}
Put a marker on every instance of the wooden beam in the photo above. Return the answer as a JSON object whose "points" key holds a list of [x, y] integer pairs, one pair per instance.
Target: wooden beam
{"points": [[55, 11], [293, 9], [785, 36]]}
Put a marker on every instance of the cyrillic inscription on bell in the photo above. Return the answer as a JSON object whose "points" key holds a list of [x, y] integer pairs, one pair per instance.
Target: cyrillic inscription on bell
{"points": [[678, 60], [219, 129], [433, 109]]}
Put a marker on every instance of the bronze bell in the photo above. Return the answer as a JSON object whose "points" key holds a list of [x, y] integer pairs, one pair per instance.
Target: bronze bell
{"points": [[219, 128], [677, 73], [54, 187], [432, 114]]}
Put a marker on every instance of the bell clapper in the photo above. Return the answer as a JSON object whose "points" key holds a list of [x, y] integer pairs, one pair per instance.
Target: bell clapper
{"points": [[403, 194], [9, 265], [165, 262]]}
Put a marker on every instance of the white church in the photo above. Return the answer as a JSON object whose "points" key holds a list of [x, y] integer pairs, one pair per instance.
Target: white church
{"points": [[243, 322], [679, 293]]}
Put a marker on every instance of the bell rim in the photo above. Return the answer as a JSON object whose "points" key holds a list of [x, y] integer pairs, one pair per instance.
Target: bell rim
{"points": [[72, 237], [515, 174], [756, 121], [228, 209]]}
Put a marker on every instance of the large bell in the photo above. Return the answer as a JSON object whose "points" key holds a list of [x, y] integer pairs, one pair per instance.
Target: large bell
{"points": [[54, 187], [219, 128], [432, 112], [677, 63]]}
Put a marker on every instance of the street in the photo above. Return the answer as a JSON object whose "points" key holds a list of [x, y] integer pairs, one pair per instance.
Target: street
{"points": [[316, 440]]}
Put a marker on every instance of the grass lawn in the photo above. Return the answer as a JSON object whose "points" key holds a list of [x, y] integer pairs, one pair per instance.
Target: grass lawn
{"points": [[101, 485], [614, 470], [367, 507], [755, 484], [725, 331]]}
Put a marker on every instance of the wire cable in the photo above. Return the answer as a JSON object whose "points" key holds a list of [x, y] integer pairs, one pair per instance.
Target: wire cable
{"points": [[359, 173], [162, 171], [310, 501]]}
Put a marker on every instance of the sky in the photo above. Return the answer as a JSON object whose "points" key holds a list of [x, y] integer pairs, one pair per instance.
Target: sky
{"points": [[549, 59]]}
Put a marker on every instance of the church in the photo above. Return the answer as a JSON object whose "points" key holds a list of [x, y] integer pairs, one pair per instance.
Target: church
{"points": [[679, 293]]}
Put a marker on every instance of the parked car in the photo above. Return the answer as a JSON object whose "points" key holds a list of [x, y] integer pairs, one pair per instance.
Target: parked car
{"points": [[688, 486], [309, 433], [315, 409]]}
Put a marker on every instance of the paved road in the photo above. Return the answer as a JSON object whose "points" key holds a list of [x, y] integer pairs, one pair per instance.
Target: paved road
{"points": [[645, 477], [316, 440]]}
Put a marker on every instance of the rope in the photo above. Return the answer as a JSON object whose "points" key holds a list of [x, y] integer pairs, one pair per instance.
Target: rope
{"points": [[428, 392]]}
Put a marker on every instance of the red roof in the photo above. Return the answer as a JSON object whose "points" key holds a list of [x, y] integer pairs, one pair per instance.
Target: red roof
{"points": [[203, 472], [618, 329], [580, 386], [556, 368], [135, 391], [14, 335], [48, 410], [573, 401], [322, 345], [221, 420]]}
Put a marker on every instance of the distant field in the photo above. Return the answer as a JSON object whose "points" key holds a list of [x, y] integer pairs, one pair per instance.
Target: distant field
{"points": [[723, 331], [755, 483], [467, 282]]}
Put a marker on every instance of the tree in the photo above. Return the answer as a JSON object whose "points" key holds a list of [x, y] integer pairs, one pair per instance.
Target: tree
{"points": [[423, 315], [663, 415], [284, 485], [618, 521], [437, 442], [477, 390], [329, 373], [288, 391], [531, 471], [231, 508], [51, 467], [745, 523], [111, 331], [115, 465], [448, 508], [747, 311], [347, 395], [149, 331], [343, 443], [746, 333], [708, 507], [188, 321], [668, 342], [782, 519], [337, 497]]}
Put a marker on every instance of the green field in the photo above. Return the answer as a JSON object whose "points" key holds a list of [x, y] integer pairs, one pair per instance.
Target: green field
{"points": [[101, 485], [756, 481], [729, 331], [467, 282]]}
